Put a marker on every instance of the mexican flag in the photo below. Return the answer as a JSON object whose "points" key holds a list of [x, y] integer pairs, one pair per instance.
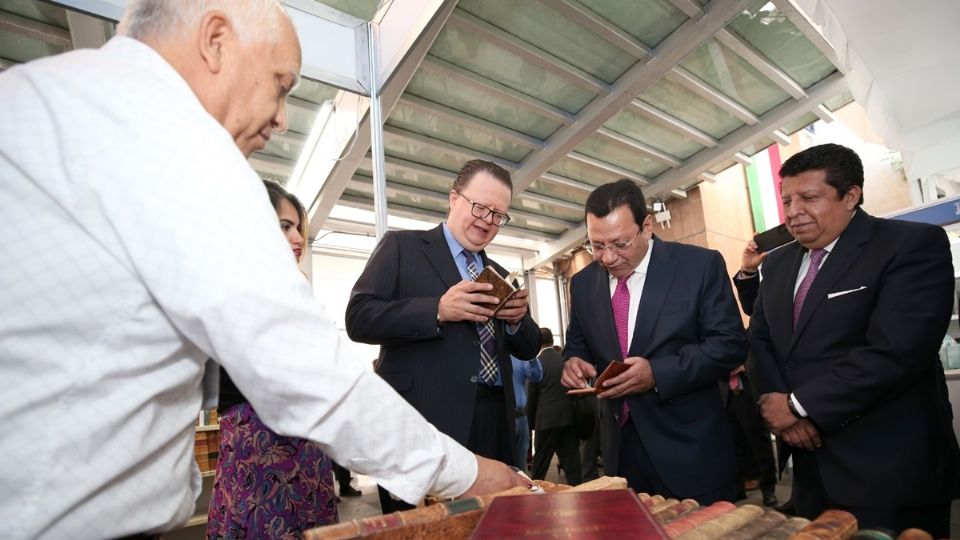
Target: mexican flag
{"points": [[763, 184]]}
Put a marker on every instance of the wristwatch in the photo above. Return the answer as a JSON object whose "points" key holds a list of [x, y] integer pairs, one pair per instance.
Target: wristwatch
{"points": [[793, 408]]}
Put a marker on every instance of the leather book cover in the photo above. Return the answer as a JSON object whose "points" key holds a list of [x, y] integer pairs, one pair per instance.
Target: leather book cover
{"points": [[613, 369], [502, 288], [583, 515]]}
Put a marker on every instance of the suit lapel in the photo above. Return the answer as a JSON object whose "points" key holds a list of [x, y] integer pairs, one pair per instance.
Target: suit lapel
{"points": [[847, 249], [438, 253], [781, 286], [656, 288], [600, 289]]}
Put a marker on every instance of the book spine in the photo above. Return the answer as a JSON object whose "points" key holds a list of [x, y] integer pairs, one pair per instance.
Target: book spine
{"points": [[676, 511], [831, 525], [759, 526], [914, 534], [787, 529], [697, 517], [723, 524]]}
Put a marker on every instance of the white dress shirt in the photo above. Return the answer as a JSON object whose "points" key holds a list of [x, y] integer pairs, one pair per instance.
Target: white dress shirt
{"points": [[635, 287], [135, 241]]}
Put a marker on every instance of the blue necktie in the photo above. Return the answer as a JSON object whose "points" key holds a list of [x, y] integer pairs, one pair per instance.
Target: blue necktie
{"points": [[488, 341]]}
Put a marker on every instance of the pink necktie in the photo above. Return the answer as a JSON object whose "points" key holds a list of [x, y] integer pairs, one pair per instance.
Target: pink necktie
{"points": [[816, 256], [621, 318]]}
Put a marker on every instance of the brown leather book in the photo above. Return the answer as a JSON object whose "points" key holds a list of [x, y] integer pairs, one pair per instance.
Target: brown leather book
{"points": [[583, 515], [502, 289], [613, 369], [830, 525], [758, 527]]}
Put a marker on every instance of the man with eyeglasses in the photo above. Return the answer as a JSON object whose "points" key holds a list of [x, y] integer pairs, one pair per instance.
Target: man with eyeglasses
{"points": [[668, 311], [441, 346]]}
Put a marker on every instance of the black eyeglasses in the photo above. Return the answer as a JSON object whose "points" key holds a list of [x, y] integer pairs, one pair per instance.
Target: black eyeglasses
{"points": [[619, 247], [481, 211]]}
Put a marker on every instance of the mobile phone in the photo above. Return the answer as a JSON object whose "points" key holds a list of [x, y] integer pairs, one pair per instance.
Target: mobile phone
{"points": [[772, 239]]}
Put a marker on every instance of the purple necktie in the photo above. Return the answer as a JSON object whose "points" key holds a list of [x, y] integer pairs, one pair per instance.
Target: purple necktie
{"points": [[816, 256], [488, 342], [620, 302]]}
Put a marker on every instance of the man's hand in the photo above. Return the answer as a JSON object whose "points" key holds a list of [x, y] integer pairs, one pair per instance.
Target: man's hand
{"points": [[576, 371], [515, 308], [776, 414], [750, 262], [465, 302], [803, 434], [637, 378], [493, 476]]}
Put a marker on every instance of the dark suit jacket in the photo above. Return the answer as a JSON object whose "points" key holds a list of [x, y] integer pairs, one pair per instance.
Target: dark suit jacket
{"points": [[689, 327], [863, 361], [394, 305], [548, 405]]}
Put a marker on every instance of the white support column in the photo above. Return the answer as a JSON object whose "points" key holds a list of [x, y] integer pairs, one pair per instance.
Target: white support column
{"points": [[530, 280], [376, 135]]}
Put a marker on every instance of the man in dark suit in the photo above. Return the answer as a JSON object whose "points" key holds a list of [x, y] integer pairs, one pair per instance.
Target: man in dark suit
{"points": [[551, 410], [846, 331], [668, 311], [441, 346]]}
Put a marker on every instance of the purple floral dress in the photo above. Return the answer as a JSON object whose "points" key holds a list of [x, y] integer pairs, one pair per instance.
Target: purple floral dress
{"points": [[266, 485]]}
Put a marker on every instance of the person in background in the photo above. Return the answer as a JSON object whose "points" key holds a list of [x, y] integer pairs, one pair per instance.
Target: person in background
{"points": [[523, 372], [344, 477], [441, 345], [667, 310], [267, 485], [846, 332], [552, 412], [125, 282]]}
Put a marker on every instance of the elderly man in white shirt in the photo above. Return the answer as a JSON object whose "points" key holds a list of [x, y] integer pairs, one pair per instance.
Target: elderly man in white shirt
{"points": [[122, 169]]}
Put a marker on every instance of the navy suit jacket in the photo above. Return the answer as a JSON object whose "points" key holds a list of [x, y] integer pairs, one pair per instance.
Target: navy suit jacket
{"points": [[689, 328], [863, 361], [394, 305]]}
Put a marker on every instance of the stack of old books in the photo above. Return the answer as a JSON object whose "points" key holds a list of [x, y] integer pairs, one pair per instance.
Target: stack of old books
{"points": [[206, 449], [603, 509]]}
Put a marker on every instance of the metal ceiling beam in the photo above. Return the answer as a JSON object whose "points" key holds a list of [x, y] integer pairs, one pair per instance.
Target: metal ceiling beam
{"points": [[640, 147], [550, 201], [679, 193], [528, 52], [500, 91], [597, 24], [459, 118], [780, 137], [702, 161], [742, 159], [30, 28], [824, 113], [636, 80], [393, 132], [688, 7], [809, 30], [693, 83], [273, 165], [567, 182], [672, 123], [756, 59], [604, 166], [353, 150]]}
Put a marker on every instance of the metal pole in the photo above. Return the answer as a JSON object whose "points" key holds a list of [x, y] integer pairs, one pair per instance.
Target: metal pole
{"points": [[376, 134], [561, 306]]}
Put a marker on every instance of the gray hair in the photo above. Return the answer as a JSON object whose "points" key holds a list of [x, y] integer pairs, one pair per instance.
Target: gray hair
{"points": [[159, 19]]}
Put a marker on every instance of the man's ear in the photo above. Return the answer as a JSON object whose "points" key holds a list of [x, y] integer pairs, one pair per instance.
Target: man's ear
{"points": [[215, 33]]}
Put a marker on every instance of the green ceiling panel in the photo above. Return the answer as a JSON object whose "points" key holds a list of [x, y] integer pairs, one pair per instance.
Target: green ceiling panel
{"points": [[19, 48], [650, 21], [413, 151], [798, 124], [770, 32], [546, 209], [550, 31], [463, 97], [408, 177], [362, 9], [722, 166], [471, 53], [559, 191], [730, 74], [37, 11], [681, 103], [314, 91], [637, 127], [838, 101], [576, 170], [445, 129], [757, 146], [620, 154]]}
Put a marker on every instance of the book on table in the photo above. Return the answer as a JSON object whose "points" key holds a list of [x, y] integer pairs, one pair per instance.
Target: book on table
{"points": [[583, 515]]}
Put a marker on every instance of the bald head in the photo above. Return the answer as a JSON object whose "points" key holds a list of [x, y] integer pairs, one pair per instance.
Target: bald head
{"points": [[240, 57]]}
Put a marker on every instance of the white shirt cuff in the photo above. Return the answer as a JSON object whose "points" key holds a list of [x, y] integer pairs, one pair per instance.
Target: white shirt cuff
{"points": [[459, 471], [797, 405]]}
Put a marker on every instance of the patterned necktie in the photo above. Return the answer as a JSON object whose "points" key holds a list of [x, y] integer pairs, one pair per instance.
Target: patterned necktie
{"points": [[488, 342], [620, 302], [816, 256]]}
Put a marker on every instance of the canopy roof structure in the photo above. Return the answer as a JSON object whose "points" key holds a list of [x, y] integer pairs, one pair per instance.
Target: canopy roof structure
{"points": [[564, 94]]}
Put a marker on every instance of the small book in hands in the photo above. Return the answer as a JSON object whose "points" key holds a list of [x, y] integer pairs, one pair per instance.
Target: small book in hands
{"points": [[614, 368], [502, 289]]}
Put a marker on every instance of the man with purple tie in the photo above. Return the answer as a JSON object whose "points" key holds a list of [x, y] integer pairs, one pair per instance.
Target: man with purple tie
{"points": [[846, 331], [668, 311]]}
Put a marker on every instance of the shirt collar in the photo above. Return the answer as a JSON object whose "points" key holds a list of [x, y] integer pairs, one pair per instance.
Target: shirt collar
{"points": [[641, 269], [455, 247]]}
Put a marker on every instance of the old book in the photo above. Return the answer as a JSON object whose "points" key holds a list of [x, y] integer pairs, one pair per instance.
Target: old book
{"points": [[502, 289], [914, 534], [676, 511], [583, 515], [723, 524], [697, 517], [786, 529], [830, 525], [758, 527], [613, 369]]}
